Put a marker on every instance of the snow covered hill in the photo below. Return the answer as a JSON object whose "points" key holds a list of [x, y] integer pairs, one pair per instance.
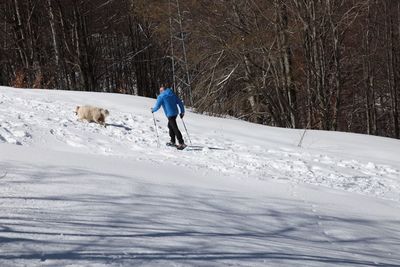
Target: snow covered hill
{"points": [[78, 194]]}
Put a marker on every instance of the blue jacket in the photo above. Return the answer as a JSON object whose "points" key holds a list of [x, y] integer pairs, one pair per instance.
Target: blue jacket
{"points": [[170, 102]]}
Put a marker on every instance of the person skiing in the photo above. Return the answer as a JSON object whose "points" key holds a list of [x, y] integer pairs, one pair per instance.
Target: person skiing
{"points": [[170, 102]]}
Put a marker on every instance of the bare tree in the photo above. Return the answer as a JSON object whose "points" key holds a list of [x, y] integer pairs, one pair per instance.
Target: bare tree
{"points": [[327, 64]]}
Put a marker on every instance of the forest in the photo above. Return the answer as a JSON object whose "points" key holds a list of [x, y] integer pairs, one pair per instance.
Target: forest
{"points": [[315, 64]]}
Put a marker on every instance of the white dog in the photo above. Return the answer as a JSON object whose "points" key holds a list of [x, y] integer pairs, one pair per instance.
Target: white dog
{"points": [[89, 113]]}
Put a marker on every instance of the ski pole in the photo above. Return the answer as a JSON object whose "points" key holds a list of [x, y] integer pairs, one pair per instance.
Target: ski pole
{"points": [[184, 125], [155, 126]]}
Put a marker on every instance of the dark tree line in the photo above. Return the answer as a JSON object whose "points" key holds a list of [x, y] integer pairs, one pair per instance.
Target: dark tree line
{"points": [[321, 64], [96, 45]]}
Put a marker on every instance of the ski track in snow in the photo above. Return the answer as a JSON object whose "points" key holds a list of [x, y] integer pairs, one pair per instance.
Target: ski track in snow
{"points": [[40, 120]]}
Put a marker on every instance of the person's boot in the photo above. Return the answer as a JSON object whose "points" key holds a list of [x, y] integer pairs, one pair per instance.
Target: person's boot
{"points": [[171, 144], [181, 146]]}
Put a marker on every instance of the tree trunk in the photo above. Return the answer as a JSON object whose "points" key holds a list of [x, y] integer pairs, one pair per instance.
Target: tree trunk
{"points": [[370, 108], [390, 69], [59, 70], [287, 63], [82, 50]]}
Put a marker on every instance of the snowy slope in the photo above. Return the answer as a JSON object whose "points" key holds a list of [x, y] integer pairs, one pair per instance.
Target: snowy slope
{"points": [[77, 194]]}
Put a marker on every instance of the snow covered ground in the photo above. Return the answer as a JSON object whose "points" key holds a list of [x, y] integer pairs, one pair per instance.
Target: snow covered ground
{"points": [[78, 194]]}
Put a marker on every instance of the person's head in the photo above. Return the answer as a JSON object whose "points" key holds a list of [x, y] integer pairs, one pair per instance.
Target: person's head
{"points": [[163, 87]]}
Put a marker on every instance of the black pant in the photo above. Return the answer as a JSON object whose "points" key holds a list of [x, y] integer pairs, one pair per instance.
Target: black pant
{"points": [[174, 131]]}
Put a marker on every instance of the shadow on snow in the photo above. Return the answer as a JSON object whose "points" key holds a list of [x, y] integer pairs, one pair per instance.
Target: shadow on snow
{"points": [[152, 222]]}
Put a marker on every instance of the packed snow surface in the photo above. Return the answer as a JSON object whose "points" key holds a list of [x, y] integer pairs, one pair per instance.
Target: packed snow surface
{"points": [[78, 194]]}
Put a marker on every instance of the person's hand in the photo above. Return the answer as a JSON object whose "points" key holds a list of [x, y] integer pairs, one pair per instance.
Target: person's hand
{"points": [[151, 110], [182, 114]]}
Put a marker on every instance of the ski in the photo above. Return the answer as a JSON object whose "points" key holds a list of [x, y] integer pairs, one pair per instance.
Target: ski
{"points": [[197, 147], [3, 175], [194, 147], [200, 148]]}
